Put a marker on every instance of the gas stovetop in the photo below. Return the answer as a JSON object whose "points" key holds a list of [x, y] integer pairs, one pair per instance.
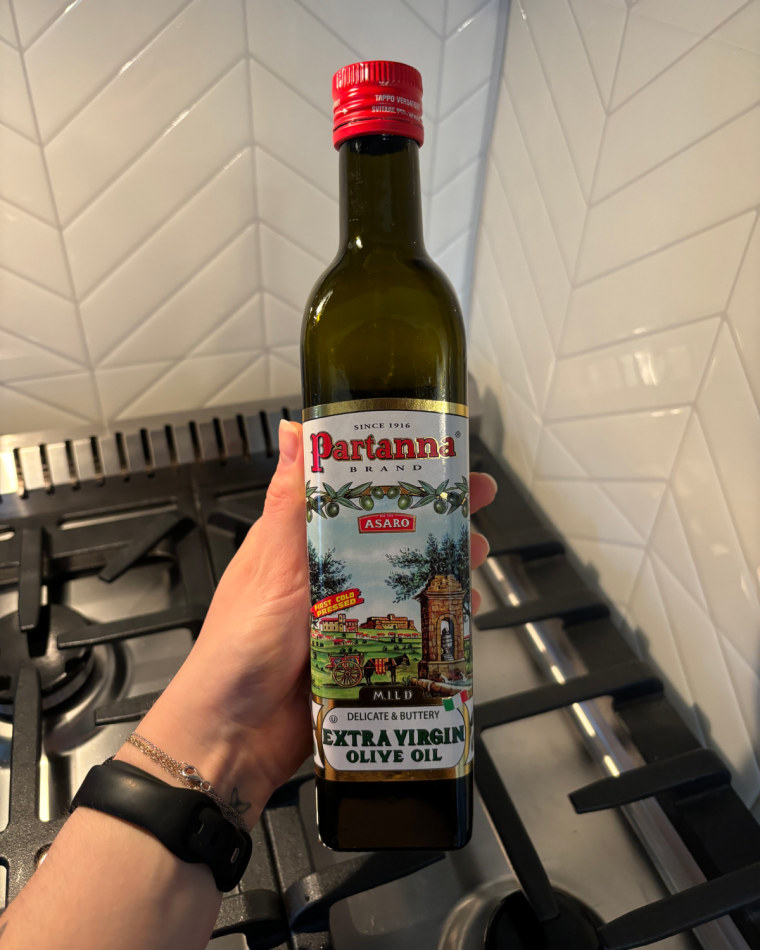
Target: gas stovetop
{"points": [[599, 821]]}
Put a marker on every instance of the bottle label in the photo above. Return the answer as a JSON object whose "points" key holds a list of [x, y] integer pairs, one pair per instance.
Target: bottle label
{"points": [[387, 510]]}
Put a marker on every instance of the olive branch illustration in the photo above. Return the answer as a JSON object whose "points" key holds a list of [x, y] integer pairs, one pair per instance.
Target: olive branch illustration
{"points": [[328, 502]]}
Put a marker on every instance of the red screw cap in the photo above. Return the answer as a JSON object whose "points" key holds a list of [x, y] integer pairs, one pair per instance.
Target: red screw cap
{"points": [[377, 98]]}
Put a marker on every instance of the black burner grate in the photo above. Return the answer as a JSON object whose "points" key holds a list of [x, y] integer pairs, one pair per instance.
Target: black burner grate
{"points": [[193, 517], [691, 784]]}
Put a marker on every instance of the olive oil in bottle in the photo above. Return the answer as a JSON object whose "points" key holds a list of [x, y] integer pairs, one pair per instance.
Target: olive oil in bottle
{"points": [[387, 496]]}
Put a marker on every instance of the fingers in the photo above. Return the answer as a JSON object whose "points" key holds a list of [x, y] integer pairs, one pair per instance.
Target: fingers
{"points": [[482, 490], [476, 599], [479, 548]]}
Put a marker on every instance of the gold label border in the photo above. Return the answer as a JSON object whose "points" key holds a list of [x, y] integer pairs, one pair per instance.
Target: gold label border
{"points": [[390, 404], [416, 775]]}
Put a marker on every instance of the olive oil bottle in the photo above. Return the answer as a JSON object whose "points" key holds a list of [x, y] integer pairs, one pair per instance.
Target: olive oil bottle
{"points": [[387, 496]]}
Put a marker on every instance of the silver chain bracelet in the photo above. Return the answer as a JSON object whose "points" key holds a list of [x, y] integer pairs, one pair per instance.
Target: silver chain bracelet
{"points": [[187, 774]]}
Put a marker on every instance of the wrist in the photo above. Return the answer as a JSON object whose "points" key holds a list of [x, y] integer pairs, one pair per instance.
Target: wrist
{"points": [[216, 752]]}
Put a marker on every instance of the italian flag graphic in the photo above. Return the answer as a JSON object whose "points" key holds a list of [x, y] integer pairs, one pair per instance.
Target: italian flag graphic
{"points": [[452, 702]]}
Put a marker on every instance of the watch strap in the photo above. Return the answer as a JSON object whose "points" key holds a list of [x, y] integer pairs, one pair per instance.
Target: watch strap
{"points": [[186, 822]]}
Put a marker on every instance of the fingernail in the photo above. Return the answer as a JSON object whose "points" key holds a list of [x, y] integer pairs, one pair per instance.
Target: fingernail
{"points": [[493, 481], [288, 436]]}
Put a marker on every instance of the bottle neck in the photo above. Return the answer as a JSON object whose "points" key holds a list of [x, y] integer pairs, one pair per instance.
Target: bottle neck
{"points": [[380, 200]]}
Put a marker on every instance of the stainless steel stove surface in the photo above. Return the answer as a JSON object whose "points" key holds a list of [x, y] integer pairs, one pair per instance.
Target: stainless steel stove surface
{"points": [[594, 803]]}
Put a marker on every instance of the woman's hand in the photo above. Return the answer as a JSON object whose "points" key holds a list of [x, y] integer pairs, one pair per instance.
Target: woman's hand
{"points": [[239, 708]]}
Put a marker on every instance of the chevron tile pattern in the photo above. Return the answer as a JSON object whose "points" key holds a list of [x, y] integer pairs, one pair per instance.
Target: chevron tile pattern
{"points": [[168, 188], [615, 323]]}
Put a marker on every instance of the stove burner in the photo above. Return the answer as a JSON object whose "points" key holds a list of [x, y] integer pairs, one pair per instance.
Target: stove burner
{"points": [[62, 672], [515, 926]]}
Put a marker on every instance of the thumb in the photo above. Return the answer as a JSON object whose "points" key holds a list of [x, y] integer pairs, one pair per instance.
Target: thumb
{"points": [[284, 505], [272, 558]]}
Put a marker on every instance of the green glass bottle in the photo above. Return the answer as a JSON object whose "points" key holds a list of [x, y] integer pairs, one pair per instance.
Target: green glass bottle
{"points": [[387, 496]]}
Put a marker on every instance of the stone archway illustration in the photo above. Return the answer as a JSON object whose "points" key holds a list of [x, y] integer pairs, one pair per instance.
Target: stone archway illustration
{"points": [[442, 626]]}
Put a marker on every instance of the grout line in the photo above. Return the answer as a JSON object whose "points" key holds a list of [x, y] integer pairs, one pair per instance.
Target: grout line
{"points": [[620, 413], [618, 61], [532, 161], [497, 66], [629, 262], [682, 150], [325, 113], [520, 446], [35, 216], [589, 57], [85, 346], [293, 168], [259, 264], [46, 347], [635, 337], [171, 294], [721, 484], [21, 135], [261, 351], [600, 480], [703, 39], [508, 314], [45, 402], [559, 117], [677, 456], [37, 283], [570, 276], [471, 16], [449, 244], [533, 280], [286, 237], [691, 700], [729, 321], [280, 299], [539, 188], [230, 315], [721, 650], [479, 155], [263, 354], [168, 369], [613, 542], [465, 101], [424, 22], [143, 151], [467, 170], [434, 158], [114, 415], [354, 51], [152, 232], [103, 84]]}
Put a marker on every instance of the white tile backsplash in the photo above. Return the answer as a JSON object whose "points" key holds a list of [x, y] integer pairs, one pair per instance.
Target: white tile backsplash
{"points": [[622, 220], [165, 210], [168, 186]]}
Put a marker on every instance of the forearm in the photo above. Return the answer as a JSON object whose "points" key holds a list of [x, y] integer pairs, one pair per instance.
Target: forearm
{"points": [[237, 710], [106, 883]]}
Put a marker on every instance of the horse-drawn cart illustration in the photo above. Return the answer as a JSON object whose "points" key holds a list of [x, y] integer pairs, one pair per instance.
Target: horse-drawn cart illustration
{"points": [[346, 670]]}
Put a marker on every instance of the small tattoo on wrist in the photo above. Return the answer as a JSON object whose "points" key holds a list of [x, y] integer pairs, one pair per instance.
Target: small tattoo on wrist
{"points": [[240, 807]]}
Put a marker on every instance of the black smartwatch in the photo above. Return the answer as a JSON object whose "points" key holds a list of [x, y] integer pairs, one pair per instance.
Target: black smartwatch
{"points": [[186, 822]]}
